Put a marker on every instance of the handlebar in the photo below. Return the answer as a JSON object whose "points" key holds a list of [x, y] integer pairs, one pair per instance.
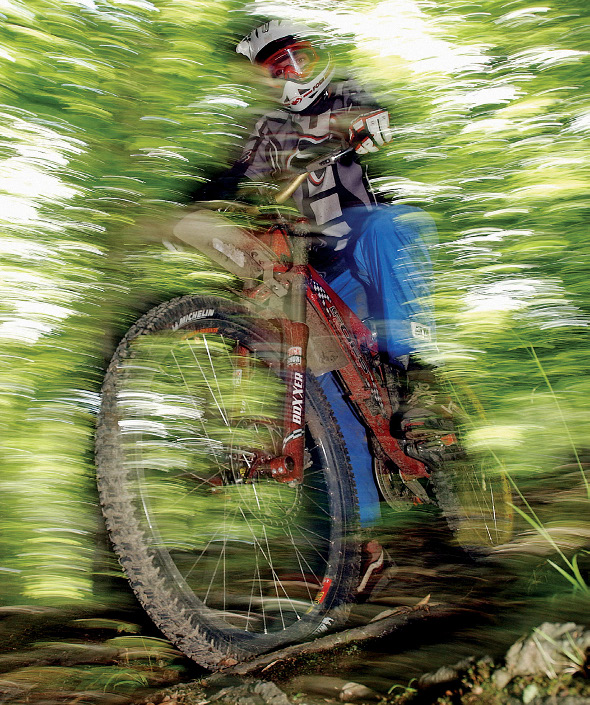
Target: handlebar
{"points": [[315, 165], [287, 192]]}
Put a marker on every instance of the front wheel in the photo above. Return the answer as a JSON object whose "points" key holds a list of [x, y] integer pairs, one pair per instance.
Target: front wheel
{"points": [[228, 562]]}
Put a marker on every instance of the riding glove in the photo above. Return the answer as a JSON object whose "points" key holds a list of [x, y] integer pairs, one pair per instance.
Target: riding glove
{"points": [[369, 132]]}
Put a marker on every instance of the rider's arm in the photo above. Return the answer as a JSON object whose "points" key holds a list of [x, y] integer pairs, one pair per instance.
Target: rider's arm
{"points": [[222, 188], [369, 127], [250, 165]]}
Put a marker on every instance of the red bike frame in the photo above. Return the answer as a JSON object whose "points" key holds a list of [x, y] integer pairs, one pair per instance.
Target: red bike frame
{"points": [[358, 370]]}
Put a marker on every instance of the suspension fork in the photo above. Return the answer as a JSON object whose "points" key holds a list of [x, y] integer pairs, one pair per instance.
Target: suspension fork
{"points": [[289, 467]]}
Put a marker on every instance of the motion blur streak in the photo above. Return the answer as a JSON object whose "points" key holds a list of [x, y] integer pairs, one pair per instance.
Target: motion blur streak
{"points": [[113, 111], [106, 106]]}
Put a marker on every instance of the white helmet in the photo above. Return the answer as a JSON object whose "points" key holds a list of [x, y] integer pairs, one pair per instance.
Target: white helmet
{"points": [[284, 49]]}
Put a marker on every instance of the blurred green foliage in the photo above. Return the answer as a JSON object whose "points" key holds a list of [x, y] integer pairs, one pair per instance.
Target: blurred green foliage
{"points": [[112, 110]]}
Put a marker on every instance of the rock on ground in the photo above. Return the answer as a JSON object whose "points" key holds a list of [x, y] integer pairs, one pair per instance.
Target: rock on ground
{"points": [[551, 649]]}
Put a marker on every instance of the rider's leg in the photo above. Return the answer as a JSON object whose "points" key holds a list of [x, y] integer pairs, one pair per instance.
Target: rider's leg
{"points": [[375, 564], [391, 256], [352, 292], [357, 445]]}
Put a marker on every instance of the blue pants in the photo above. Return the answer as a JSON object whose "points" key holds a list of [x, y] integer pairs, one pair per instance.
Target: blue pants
{"points": [[390, 280]]}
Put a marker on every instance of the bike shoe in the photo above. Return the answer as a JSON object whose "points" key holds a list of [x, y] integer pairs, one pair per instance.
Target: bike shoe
{"points": [[377, 569]]}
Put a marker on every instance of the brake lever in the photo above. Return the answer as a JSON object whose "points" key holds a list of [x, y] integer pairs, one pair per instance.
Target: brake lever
{"points": [[323, 162]]}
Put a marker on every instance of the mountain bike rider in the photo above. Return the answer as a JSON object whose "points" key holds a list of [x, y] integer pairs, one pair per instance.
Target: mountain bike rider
{"points": [[374, 256]]}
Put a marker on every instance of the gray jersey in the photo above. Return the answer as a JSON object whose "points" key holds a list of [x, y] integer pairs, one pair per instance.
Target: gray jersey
{"points": [[280, 138]]}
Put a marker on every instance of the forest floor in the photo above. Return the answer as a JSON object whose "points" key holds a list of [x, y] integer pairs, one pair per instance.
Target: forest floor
{"points": [[439, 633], [63, 658]]}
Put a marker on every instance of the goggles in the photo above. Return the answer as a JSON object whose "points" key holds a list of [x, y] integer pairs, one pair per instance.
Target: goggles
{"points": [[295, 62]]}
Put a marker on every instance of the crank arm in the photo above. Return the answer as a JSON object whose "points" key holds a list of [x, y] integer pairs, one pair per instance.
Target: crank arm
{"points": [[416, 489]]}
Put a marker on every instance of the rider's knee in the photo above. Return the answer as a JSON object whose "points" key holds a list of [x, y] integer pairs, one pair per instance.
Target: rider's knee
{"points": [[398, 226]]}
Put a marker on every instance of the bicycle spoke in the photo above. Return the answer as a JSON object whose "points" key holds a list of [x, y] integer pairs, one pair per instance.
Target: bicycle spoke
{"points": [[206, 380]]}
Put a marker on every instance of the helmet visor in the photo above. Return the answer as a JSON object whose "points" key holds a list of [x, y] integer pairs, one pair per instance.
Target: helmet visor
{"points": [[295, 62]]}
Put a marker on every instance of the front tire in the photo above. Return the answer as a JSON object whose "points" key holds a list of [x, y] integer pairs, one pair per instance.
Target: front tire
{"points": [[229, 563]]}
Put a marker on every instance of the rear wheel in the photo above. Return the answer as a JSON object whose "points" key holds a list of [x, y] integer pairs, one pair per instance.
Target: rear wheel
{"points": [[473, 490], [475, 498], [227, 561]]}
